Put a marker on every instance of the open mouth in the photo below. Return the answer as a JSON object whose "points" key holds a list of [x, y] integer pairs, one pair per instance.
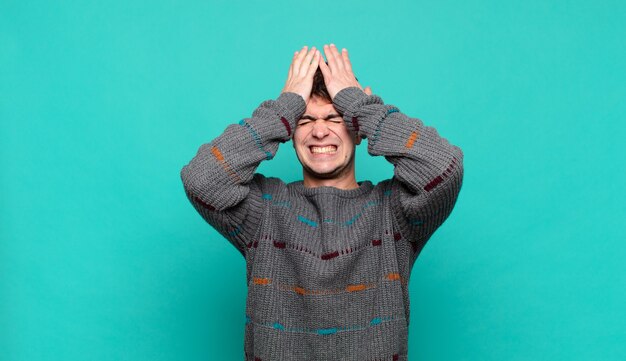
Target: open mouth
{"points": [[329, 149]]}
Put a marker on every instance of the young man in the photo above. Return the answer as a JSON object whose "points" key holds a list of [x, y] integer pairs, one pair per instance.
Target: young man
{"points": [[328, 258]]}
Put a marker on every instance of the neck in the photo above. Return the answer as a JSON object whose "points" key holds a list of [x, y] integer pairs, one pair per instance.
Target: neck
{"points": [[347, 182]]}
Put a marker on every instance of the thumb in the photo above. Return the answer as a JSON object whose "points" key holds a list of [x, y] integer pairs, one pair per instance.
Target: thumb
{"points": [[368, 90]]}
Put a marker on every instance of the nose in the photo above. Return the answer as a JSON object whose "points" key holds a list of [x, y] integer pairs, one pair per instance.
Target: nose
{"points": [[320, 129]]}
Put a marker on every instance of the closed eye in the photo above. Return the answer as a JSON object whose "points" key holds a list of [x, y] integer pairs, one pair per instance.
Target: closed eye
{"points": [[333, 117]]}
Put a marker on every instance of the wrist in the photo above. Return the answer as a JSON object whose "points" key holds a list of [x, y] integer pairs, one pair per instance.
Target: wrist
{"points": [[345, 100], [292, 106]]}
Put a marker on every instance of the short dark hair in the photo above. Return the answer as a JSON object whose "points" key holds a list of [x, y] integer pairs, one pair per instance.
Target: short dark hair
{"points": [[319, 87]]}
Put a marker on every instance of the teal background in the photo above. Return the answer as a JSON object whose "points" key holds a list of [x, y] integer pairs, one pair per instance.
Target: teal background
{"points": [[101, 104]]}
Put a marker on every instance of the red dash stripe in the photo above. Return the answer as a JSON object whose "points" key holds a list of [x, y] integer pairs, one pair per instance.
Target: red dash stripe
{"points": [[433, 184], [414, 246], [205, 205], [396, 357], [397, 236], [376, 242], [355, 124], [286, 124], [279, 244], [328, 256]]}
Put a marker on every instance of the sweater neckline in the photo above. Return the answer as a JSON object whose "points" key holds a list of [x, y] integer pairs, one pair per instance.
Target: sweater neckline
{"points": [[364, 187]]}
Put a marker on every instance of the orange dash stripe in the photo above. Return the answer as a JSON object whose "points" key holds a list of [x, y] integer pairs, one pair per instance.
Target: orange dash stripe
{"points": [[261, 281], [393, 276], [218, 155], [354, 288], [412, 138]]}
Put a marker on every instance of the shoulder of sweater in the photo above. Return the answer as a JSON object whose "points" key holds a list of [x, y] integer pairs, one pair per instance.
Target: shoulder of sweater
{"points": [[268, 184]]}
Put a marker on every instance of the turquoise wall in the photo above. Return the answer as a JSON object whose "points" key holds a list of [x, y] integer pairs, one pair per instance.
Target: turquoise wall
{"points": [[101, 103]]}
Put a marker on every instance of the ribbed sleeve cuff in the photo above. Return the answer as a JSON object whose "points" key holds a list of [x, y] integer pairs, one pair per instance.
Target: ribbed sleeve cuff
{"points": [[352, 104], [292, 107], [345, 100], [275, 120]]}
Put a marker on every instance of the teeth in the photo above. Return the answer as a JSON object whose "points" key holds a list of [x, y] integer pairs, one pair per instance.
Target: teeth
{"points": [[329, 149]]}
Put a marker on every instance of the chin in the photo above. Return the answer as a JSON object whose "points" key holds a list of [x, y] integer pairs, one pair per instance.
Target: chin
{"points": [[330, 175], [333, 173]]}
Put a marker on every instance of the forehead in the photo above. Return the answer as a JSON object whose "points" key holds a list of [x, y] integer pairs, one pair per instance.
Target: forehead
{"points": [[319, 107]]}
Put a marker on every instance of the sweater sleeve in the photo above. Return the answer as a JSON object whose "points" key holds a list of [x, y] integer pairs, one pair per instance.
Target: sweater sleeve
{"points": [[220, 181], [428, 170]]}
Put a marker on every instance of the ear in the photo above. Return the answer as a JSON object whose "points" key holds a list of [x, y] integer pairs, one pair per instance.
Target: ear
{"points": [[357, 139]]}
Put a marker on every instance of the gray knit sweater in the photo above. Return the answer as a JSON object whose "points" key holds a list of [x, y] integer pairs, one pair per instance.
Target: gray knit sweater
{"points": [[327, 269]]}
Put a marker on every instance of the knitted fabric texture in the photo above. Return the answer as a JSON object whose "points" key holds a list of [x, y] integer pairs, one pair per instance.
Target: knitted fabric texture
{"points": [[327, 269]]}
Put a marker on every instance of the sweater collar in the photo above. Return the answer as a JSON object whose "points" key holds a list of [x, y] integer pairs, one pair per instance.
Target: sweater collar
{"points": [[364, 187]]}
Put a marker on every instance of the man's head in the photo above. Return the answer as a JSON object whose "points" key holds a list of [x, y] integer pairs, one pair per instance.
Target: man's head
{"points": [[323, 143]]}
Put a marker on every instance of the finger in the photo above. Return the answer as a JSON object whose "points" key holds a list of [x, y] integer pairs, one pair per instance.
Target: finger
{"points": [[337, 57], [331, 59], [306, 63], [314, 64], [325, 70], [291, 66], [368, 90], [346, 59], [298, 60]]}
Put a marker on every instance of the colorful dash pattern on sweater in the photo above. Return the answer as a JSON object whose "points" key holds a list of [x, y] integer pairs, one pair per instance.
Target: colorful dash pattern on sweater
{"points": [[327, 269]]}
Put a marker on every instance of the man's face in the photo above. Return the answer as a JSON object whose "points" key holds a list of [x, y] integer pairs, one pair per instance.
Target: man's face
{"points": [[323, 144]]}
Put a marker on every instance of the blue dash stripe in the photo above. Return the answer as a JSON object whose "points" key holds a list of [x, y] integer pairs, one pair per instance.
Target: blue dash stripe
{"points": [[257, 138], [349, 222], [326, 331], [307, 221], [278, 326]]}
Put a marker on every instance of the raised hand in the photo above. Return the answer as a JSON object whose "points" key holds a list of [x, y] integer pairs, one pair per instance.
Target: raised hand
{"points": [[301, 72], [338, 73]]}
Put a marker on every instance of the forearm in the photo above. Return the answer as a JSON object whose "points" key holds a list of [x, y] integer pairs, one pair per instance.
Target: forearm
{"points": [[423, 160], [219, 173]]}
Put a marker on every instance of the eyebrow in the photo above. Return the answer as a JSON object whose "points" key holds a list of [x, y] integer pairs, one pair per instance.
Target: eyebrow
{"points": [[329, 116]]}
